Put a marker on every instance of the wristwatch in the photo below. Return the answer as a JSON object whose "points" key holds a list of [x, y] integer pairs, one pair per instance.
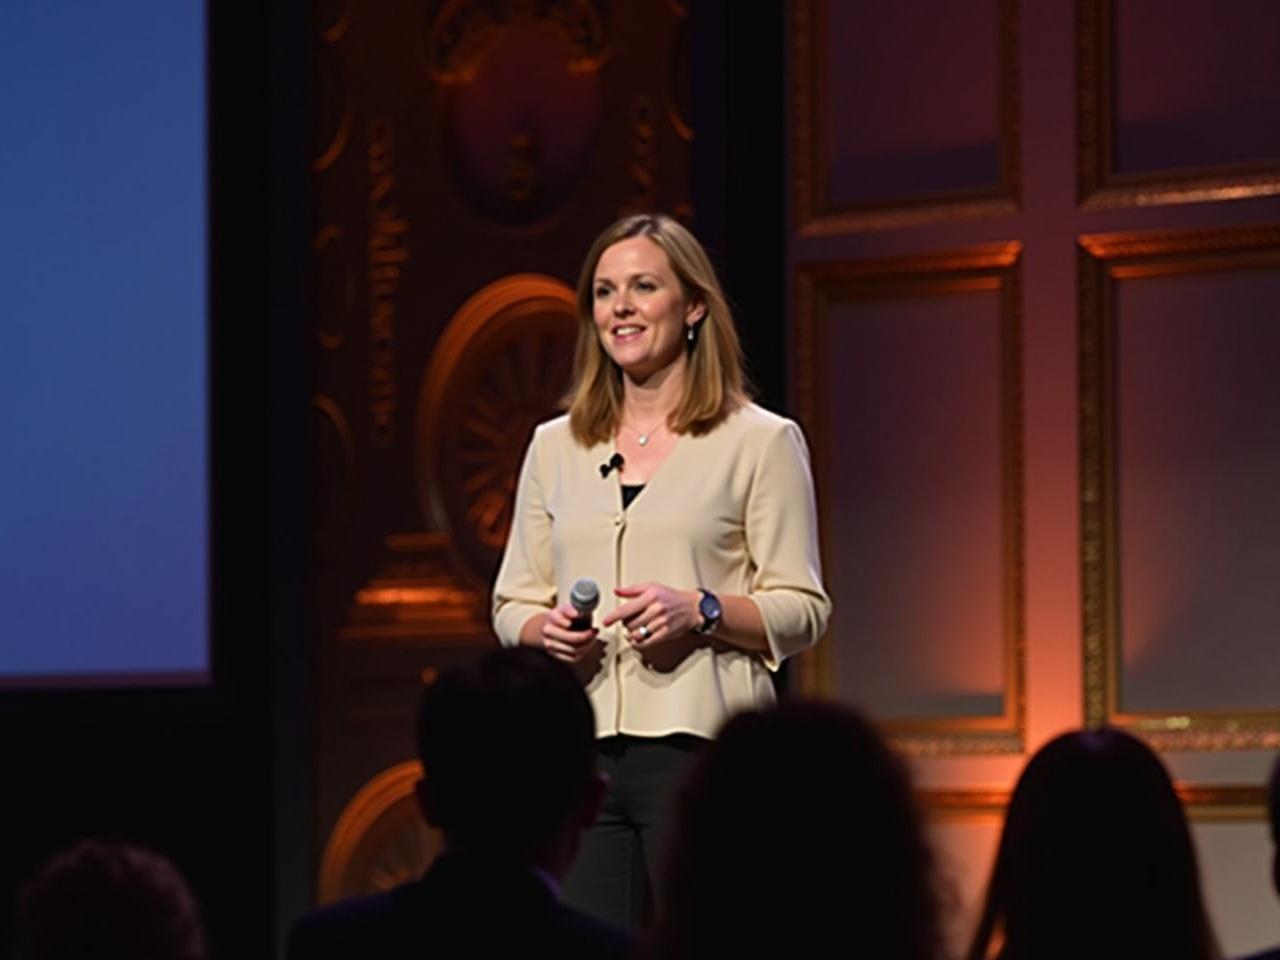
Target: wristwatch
{"points": [[709, 607]]}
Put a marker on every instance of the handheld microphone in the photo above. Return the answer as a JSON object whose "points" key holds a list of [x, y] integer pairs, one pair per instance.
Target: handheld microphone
{"points": [[616, 462], [584, 597]]}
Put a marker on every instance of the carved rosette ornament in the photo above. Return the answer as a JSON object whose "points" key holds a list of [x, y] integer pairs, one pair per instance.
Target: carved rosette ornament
{"points": [[502, 366], [380, 840]]}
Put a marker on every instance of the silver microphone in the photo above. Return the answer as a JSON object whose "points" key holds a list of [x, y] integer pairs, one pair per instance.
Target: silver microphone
{"points": [[584, 598]]}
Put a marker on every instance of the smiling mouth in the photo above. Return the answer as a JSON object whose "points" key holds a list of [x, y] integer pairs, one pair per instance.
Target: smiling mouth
{"points": [[627, 330]]}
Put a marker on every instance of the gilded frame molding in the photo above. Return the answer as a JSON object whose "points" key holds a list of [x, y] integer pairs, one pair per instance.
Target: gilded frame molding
{"points": [[1098, 185], [987, 267], [815, 215], [1104, 259]]}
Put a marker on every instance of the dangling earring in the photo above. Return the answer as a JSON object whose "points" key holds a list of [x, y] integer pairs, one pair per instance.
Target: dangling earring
{"points": [[691, 333]]}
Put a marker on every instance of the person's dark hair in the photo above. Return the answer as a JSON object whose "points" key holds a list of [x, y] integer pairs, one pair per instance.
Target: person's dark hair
{"points": [[508, 747], [1095, 859], [1273, 802], [795, 831], [109, 901], [1273, 807]]}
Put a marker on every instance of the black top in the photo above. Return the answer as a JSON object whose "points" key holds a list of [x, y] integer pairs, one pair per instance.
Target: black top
{"points": [[629, 492]]}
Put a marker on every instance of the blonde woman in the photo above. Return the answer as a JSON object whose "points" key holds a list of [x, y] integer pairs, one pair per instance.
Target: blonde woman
{"points": [[693, 510]]}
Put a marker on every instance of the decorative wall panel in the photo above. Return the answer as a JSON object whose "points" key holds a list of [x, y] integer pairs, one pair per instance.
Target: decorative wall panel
{"points": [[1120, 114], [1180, 460], [908, 379], [878, 142], [1176, 108]]}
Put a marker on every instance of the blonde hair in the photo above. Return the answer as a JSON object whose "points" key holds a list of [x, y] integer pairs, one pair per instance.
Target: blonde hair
{"points": [[715, 385]]}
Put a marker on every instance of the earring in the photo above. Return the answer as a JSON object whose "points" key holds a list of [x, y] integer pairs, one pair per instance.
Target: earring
{"points": [[691, 334]]}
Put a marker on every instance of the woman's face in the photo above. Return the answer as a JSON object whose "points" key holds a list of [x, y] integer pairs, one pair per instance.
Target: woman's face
{"points": [[640, 310]]}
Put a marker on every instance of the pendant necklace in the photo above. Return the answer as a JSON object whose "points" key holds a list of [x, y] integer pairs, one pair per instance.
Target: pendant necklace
{"points": [[643, 438]]}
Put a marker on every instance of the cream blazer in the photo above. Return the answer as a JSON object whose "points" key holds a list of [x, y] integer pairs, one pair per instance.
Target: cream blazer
{"points": [[732, 511]]}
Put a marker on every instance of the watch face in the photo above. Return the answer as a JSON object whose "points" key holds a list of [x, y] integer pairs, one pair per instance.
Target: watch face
{"points": [[709, 607]]}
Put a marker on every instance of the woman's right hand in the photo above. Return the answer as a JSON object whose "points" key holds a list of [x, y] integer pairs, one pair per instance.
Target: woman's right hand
{"points": [[561, 640]]}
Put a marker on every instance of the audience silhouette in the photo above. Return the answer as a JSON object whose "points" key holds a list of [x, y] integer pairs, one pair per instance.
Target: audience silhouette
{"points": [[509, 757], [1273, 810], [796, 834], [108, 901], [1095, 860]]}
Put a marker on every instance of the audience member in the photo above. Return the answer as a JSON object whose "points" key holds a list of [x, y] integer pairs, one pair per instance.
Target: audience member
{"points": [[796, 834], [1273, 808], [1095, 860], [108, 901], [508, 751]]}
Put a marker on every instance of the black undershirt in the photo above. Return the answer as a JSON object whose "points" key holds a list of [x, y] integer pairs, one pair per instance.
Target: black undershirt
{"points": [[629, 492]]}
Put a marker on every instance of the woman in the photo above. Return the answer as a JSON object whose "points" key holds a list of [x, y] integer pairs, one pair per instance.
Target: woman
{"points": [[1095, 860], [693, 510], [852, 875]]}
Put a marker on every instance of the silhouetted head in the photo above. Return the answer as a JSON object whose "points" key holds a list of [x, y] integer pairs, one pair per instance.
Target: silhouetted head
{"points": [[108, 901], [1095, 859], [508, 748], [796, 834]]}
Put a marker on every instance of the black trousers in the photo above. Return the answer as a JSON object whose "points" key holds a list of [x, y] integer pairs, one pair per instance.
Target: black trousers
{"points": [[618, 859]]}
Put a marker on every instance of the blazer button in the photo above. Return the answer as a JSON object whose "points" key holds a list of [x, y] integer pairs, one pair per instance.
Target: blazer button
{"points": [[618, 519]]}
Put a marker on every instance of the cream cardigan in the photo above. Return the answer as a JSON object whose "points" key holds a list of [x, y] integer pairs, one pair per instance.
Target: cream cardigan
{"points": [[732, 511]]}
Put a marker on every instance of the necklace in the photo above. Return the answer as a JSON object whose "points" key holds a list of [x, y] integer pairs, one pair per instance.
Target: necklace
{"points": [[644, 437]]}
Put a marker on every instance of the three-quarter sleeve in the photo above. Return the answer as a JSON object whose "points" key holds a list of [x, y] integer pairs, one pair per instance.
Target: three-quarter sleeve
{"points": [[782, 539], [525, 585]]}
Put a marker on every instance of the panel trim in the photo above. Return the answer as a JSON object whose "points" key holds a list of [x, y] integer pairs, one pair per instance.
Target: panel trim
{"points": [[815, 215], [1098, 184], [1104, 259], [990, 267]]}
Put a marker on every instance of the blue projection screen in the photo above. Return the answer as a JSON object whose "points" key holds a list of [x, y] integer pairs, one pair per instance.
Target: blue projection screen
{"points": [[103, 383]]}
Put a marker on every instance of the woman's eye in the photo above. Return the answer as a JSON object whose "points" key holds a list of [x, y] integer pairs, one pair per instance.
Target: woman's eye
{"points": [[645, 285], [601, 292]]}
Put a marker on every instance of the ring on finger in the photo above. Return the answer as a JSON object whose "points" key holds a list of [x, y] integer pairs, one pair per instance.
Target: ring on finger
{"points": [[643, 632]]}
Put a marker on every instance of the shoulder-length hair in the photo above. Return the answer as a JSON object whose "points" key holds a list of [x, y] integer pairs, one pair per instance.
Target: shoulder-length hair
{"points": [[715, 385], [1095, 859]]}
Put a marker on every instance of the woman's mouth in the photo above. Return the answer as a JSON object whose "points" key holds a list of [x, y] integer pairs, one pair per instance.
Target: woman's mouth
{"points": [[627, 331]]}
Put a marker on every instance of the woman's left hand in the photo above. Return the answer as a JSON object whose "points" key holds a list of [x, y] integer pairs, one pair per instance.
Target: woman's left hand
{"points": [[655, 612]]}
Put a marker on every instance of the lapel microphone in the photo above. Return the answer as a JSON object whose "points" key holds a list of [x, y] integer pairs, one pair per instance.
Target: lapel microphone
{"points": [[615, 463]]}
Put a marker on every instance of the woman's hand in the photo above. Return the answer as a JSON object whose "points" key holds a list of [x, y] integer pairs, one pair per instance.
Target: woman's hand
{"points": [[561, 640], [655, 612]]}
